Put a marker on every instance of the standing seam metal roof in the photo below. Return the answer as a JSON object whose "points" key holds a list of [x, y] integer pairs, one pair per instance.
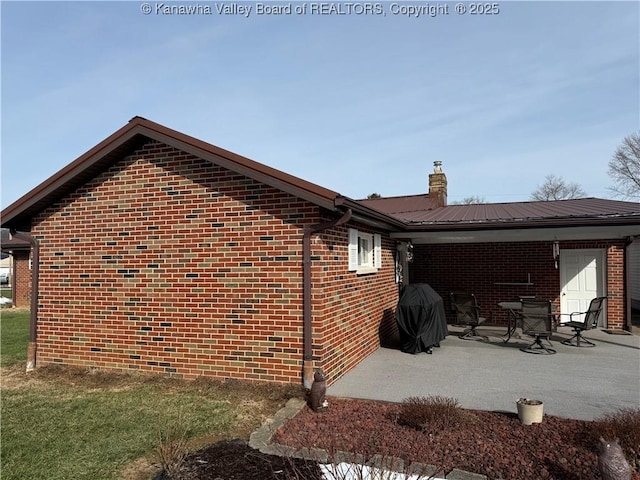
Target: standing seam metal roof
{"points": [[582, 208]]}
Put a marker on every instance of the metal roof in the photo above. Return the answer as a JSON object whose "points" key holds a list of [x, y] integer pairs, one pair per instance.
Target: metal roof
{"points": [[12, 244], [574, 208], [396, 206], [584, 211]]}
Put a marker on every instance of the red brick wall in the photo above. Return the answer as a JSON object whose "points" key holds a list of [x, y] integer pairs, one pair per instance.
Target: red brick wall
{"points": [[21, 281], [616, 310], [166, 263], [353, 314], [478, 267]]}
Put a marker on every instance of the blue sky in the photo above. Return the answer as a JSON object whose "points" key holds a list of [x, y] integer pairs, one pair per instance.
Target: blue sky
{"points": [[355, 103]]}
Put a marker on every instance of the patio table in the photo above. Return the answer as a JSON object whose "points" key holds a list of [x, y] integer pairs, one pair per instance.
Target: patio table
{"points": [[513, 309]]}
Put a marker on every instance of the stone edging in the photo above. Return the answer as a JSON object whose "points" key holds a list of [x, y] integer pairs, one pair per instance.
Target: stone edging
{"points": [[261, 440]]}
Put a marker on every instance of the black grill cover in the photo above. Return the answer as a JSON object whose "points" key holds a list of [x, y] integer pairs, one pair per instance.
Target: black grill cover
{"points": [[420, 317]]}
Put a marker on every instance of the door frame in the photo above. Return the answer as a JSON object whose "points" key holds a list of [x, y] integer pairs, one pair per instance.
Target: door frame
{"points": [[601, 271]]}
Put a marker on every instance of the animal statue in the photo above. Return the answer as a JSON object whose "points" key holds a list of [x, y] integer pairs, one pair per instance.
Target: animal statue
{"points": [[611, 461], [318, 391]]}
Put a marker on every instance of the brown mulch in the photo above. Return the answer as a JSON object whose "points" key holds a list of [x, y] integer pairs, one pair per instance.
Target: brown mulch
{"points": [[235, 460], [493, 444]]}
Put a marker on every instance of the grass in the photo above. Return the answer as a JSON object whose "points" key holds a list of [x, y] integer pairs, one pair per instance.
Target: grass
{"points": [[63, 433], [62, 423], [14, 336], [5, 292]]}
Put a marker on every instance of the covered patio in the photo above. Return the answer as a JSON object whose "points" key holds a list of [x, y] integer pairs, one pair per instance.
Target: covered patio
{"points": [[488, 374]]}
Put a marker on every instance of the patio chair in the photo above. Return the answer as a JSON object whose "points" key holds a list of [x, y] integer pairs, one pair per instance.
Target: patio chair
{"points": [[590, 320], [537, 322], [467, 312]]}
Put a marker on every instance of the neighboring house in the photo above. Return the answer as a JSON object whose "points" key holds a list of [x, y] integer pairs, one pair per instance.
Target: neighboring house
{"points": [[5, 269], [160, 252], [19, 270]]}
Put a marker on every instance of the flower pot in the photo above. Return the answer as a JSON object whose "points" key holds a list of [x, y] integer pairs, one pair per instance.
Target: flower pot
{"points": [[530, 411]]}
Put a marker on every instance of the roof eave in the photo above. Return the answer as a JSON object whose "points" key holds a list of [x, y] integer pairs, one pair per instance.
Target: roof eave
{"points": [[603, 221], [370, 216], [18, 215]]}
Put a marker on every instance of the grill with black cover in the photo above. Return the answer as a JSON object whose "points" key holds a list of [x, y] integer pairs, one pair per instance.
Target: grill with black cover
{"points": [[421, 319]]}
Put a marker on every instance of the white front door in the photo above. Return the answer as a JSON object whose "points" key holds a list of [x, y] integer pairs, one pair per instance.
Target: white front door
{"points": [[581, 280]]}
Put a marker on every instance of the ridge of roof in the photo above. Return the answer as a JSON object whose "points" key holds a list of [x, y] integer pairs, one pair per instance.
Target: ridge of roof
{"points": [[395, 197], [458, 205]]}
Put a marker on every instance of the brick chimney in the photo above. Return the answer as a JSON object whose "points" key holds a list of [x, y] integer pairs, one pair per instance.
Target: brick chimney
{"points": [[438, 185]]}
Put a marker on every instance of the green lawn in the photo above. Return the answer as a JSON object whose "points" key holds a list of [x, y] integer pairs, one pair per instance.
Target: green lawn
{"points": [[14, 336], [71, 433], [5, 292], [65, 423]]}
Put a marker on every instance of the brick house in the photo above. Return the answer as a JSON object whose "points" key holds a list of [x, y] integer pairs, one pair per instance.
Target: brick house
{"points": [[20, 272], [159, 252]]}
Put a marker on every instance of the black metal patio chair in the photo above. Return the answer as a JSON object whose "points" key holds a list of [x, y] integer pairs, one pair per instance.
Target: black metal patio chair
{"points": [[537, 322], [467, 312], [590, 320]]}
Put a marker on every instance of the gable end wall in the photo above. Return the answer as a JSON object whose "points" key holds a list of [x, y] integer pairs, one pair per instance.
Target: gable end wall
{"points": [[166, 263]]}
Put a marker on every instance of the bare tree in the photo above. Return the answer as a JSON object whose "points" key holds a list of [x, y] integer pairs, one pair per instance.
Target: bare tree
{"points": [[473, 200], [624, 167], [555, 188]]}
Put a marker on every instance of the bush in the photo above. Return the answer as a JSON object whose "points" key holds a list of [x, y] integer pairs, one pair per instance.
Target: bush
{"points": [[623, 424], [172, 449], [432, 414]]}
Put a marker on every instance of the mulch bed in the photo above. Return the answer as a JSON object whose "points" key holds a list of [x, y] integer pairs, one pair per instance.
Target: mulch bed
{"points": [[235, 460], [490, 443]]}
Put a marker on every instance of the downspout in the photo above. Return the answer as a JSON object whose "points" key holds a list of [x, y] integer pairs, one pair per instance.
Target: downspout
{"points": [[307, 364], [35, 271]]}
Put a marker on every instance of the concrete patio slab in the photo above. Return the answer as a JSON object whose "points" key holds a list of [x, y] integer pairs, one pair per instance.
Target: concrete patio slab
{"points": [[487, 374]]}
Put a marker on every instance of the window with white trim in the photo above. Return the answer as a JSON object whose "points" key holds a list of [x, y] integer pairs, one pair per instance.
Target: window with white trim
{"points": [[365, 251]]}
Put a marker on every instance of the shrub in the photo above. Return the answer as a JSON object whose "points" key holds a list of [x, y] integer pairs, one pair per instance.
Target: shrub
{"points": [[172, 449], [623, 424], [431, 414]]}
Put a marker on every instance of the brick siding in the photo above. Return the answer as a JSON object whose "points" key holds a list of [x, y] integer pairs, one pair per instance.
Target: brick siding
{"points": [[167, 263], [478, 268], [353, 313], [21, 281], [616, 300]]}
